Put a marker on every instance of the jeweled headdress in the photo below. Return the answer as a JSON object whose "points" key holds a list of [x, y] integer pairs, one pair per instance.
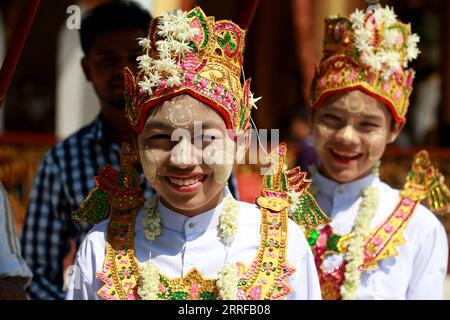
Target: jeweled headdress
{"points": [[369, 51], [188, 52]]}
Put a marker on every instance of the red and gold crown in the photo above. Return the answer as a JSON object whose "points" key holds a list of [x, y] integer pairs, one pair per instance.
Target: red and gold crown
{"points": [[190, 53], [369, 51]]}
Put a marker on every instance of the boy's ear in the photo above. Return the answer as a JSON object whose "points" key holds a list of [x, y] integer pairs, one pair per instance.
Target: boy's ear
{"points": [[86, 68], [242, 145], [396, 128]]}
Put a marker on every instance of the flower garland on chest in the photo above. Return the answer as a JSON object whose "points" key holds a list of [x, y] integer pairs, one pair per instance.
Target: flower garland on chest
{"points": [[370, 199], [227, 282]]}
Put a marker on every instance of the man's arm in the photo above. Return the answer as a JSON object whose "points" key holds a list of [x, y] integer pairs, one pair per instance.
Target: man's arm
{"points": [[14, 273]]}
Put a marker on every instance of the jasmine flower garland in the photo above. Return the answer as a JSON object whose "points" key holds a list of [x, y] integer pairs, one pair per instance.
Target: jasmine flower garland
{"points": [[151, 222], [355, 254], [228, 221], [227, 281], [148, 282]]}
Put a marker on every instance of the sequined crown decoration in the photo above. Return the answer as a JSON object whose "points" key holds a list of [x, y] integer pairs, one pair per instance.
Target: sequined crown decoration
{"points": [[424, 181], [285, 189], [188, 52], [369, 51]]}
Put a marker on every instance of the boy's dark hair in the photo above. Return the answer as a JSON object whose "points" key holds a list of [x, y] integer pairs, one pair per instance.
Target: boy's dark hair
{"points": [[115, 14]]}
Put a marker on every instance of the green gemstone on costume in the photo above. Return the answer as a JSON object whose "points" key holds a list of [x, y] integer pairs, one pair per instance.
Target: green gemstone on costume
{"points": [[313, 236], [332, 243]]}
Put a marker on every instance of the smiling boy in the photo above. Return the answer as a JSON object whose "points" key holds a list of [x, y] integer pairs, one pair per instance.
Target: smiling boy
{"points": [[192, 240], [381, 244]]}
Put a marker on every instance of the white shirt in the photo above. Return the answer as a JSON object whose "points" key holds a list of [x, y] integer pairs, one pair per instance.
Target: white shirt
{"points": [[419, 269], [186, 243], [11, 262]]}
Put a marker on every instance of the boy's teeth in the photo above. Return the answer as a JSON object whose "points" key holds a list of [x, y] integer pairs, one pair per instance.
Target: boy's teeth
{"points": [[184, 182], [345, 154]]}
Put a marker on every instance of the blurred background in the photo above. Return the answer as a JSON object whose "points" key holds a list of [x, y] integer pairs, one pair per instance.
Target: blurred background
{"points": [[49, 99]]}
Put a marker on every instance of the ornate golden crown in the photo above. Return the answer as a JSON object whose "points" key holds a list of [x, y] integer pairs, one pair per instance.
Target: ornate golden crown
{"points": [[369, 51], [188, 52]]}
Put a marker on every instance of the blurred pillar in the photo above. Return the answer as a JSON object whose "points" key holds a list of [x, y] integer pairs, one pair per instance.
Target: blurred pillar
{"points": [[444, 127], [2, 52], [304, 43], [159, 6]]}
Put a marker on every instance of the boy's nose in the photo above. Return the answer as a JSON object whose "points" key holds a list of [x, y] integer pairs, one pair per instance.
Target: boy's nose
{"points": [[184, 154], [347, 134]]}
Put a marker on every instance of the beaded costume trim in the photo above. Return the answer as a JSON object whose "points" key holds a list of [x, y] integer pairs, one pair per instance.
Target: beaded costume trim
{"points": [[263, 279], [380, 244]]}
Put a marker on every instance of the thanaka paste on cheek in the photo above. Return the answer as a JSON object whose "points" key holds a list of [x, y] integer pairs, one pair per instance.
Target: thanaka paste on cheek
{"points": [[222, 169], [375, 144], [149, 161], [322, 135]]}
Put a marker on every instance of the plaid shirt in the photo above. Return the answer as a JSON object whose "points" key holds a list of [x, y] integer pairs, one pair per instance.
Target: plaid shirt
{"points": [[63, 181]]}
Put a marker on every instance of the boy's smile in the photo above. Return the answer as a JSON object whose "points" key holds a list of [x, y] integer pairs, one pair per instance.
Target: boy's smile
{"points": [[351, 131]]}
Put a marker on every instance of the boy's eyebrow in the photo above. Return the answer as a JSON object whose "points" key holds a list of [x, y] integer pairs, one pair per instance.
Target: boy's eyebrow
{"points": [[157, 124], [209, 124], [335, 108], [372, 117], [162, 125]]}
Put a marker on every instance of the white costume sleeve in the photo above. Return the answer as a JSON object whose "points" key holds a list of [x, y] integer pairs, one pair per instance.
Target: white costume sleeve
{"points": [[83, 284], [11, 262], [429, 266], [305, 281], [80, 288]]}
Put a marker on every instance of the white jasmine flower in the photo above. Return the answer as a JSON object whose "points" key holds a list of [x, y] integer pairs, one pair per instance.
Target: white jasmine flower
{"points": [[154, 78], [229, 220], [412, 50], [146, 85], [355, 253], [390, 38], [144, 43], [253, 100], [388, 15], [357, 18], [148, 282], [227, 282], [391, 59], [173, 80], [165, 65], [151, 222]]}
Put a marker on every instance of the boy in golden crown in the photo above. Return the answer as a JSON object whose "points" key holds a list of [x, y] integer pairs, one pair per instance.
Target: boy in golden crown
{"points": [[192, 240], [381, 244]]}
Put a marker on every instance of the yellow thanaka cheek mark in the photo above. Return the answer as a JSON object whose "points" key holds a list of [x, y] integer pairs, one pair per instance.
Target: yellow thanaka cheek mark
{"points": [[223, 164], [150, 159], [322, 136], [375, 143]]}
